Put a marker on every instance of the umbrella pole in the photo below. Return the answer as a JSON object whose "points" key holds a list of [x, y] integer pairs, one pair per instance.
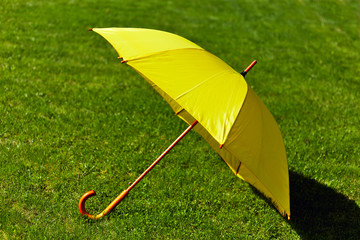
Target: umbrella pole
{"points": [[119, 198]]}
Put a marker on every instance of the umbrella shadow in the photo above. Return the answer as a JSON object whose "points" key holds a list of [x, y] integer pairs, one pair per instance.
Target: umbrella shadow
{"points": [[319, 212]]}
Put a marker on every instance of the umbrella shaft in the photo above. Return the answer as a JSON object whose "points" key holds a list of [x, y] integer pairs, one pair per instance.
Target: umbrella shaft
{"points": [[162, 155]]}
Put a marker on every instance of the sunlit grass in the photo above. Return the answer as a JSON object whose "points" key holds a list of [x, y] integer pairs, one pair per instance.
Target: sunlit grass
{"points": [[74, 119]]}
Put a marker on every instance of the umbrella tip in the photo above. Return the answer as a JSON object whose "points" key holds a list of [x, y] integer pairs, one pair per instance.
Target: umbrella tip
{"points": [[248, 68], [90, 29]]}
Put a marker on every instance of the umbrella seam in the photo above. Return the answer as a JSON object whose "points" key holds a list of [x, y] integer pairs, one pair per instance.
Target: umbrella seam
{"points": [[237, 171], [199, 84], [161, 52], [257, 179], [272, 195], [241, 108]]}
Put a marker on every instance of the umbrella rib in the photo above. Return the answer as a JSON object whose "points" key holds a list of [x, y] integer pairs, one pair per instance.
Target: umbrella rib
{"points": [[263, 184], [247, 92], [269, 192], [201, 83], [234, 155], [156, 53]]}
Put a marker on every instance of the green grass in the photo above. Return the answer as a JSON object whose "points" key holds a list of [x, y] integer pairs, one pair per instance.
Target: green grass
{"points": [[74, 119]]}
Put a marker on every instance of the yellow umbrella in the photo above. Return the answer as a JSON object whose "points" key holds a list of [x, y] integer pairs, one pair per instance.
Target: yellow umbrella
{"points": [[215, 100]]}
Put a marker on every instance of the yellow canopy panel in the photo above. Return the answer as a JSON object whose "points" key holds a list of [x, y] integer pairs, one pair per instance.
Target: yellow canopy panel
{"points": [[131, 43]]}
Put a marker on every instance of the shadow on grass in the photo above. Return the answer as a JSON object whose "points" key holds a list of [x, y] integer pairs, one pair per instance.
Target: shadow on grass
{"points": [[319, 212]]}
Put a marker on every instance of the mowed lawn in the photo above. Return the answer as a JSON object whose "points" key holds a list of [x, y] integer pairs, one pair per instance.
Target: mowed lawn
{"points": [[72, 119]]}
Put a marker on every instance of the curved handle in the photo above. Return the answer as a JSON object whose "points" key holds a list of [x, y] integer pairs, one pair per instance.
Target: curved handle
{"points": [[82, 201], [111, 206]]}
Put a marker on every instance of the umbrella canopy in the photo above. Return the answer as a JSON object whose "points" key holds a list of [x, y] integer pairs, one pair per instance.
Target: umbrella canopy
{"points": [[200, 86]]}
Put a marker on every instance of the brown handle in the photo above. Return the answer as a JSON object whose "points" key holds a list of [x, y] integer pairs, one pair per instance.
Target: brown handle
{"points": [[111, 206]]}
